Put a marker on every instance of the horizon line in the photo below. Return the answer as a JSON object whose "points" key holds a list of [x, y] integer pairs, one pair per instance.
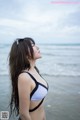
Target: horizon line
{"points": [[60, 43], [50, 43]]}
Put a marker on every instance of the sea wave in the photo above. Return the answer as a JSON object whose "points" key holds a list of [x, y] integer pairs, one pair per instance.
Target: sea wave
{"points": [[57, 62], [59, 75], [63, 55], [69, 64], [49, 74]]}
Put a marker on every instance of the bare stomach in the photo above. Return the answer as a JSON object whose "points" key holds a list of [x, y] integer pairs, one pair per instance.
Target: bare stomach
{"points": [[38, 114]]}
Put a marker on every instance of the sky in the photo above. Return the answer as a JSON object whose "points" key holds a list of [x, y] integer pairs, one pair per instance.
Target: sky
{"points": [[56, 21]]}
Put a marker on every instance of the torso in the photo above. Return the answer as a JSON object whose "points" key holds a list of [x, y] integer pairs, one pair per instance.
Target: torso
{"points": [[39, 113]]}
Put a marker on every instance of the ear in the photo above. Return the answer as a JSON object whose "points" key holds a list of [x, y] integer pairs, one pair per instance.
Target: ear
{"points": [[28, 58]]}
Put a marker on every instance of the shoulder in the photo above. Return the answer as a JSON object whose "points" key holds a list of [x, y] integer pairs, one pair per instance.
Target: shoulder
{"points": [[24, 78]]}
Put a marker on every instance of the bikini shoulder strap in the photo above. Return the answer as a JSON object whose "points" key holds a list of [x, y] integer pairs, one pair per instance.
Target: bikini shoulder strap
{"points": [[30, 76]]}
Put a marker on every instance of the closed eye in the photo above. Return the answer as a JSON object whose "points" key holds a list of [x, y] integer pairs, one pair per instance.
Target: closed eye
{"points": [[33, 45]]}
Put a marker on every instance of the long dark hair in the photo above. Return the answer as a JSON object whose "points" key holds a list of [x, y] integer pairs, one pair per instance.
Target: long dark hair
{"points": [[20, 51]]}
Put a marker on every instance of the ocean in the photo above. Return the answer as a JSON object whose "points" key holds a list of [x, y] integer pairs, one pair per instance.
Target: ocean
{"points": [[57, 59], [60, 66]]}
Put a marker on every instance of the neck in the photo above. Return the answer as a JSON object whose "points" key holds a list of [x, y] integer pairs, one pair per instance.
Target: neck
{"points": [[32, 64]]}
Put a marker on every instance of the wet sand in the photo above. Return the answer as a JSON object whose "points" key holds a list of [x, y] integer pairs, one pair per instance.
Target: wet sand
{"points": [[62, 101]]}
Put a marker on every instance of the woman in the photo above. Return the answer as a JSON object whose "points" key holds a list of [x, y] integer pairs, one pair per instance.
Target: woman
{"points": [[28, 87]]}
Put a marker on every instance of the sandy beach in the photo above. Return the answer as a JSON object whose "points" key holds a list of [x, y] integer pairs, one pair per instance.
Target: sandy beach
{"points": [[61, 103], [63, 100]]}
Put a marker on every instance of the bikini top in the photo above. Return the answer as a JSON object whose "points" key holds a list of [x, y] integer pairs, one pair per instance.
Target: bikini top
{"points": [[38, 93]]}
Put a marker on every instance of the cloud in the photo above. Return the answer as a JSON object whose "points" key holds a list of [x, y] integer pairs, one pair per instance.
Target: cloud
{"points": [[70, 30], [73, 18], [40, 20]]}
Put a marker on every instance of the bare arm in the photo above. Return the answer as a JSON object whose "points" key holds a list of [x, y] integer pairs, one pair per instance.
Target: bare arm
{"points": [[24, 89]]}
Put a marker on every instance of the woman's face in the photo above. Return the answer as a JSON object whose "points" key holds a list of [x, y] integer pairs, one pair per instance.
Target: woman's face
{"points": [[36, 50]]}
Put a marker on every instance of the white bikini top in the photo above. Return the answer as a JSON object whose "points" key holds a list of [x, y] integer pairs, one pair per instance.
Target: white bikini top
{"points": [[38, 93]]}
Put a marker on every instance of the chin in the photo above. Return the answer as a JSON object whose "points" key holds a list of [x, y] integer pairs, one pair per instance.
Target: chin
{"points": [[38, 57]]}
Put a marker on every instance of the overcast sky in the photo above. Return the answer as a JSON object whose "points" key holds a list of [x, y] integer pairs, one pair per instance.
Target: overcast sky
{"points": [[43, 20]]}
